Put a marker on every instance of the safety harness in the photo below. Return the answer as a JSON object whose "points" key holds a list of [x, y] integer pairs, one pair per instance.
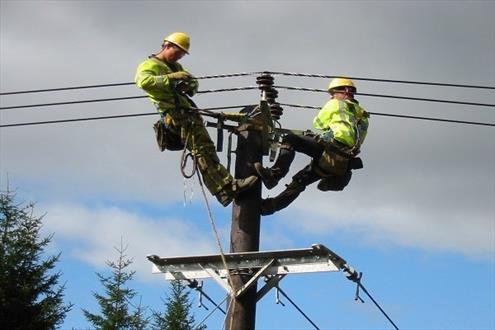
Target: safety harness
{"points": [[166, 133]]}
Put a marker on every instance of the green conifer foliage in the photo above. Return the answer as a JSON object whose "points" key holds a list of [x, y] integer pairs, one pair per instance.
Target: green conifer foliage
{"points": [[30, 297], [117, 309], [177, 315]]}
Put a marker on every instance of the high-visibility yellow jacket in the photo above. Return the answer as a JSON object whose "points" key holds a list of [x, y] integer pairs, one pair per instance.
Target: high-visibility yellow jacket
{"points": [[151, 76], [345, 120]]}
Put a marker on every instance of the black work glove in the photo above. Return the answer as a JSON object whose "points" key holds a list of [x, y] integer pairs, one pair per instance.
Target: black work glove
{"points": [[189, 87]]}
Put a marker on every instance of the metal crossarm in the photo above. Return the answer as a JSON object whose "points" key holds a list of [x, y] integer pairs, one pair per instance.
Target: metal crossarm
{"points": [[318, 258]]}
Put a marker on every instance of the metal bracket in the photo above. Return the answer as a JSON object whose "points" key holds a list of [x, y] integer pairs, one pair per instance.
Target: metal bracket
{"points": [[271, 282], [253, 279]]}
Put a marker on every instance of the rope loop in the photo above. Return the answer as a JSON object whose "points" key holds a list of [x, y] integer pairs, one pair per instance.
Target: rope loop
{"points": [[183, 164]]}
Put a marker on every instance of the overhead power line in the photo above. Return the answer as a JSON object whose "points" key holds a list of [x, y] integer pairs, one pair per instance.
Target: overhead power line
{"points": [[390, 96], [234, 107], [72, 102], [383, 80], [440, 84], [116, 99], [58, 121], [58, 89], [298, 308], [399, 116], [77, 119], [247, 88]]}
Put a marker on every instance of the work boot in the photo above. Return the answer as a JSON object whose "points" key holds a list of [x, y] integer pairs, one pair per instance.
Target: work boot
{"points": [[224, 197], [284, 199], [241, 185], [267, 175], [335, 182], [268, 206]]}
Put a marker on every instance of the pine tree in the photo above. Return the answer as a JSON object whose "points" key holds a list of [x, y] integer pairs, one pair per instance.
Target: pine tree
{"points": [[115, 304], [177, 315], [30, 297]]}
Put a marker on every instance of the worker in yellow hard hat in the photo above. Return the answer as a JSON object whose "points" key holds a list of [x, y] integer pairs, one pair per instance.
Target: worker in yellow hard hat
{"points": [[168, 86], [342, 124]]}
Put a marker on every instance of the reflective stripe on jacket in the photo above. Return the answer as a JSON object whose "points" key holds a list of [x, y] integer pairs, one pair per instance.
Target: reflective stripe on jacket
{"points": [[346, 119], [151, 76]]}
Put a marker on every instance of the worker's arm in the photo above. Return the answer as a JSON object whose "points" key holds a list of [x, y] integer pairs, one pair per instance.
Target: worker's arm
{"points": [[149, 76]]}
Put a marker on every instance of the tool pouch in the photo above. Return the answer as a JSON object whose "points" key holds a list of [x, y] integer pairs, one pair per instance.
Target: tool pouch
{"points": [[167, 137]]}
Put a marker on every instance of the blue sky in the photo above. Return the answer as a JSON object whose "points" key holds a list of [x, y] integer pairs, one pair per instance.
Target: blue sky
{"points": [[418, 220]]}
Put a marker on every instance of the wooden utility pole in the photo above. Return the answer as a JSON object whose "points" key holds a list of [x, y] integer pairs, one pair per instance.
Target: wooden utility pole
{"points": [[252, 144], [245, 230]]}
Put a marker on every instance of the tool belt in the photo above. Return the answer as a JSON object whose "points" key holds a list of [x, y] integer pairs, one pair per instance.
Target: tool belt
{"points": [[167, 135]]}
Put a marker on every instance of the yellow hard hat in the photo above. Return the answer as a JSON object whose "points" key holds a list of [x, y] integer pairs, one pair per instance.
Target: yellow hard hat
{"points": [[179, 39], [341, 82]]}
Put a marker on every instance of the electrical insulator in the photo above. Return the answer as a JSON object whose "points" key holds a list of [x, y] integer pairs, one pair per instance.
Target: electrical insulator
{"points": [[276, 111], [265, 81], [271, 95]]}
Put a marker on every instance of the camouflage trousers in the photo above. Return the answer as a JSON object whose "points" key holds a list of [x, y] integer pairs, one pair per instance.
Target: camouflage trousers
{"points": [[197, 140]]}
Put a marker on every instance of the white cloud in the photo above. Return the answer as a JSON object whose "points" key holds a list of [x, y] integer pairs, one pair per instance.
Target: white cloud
{"points": [[378, 223], [90, 235]]}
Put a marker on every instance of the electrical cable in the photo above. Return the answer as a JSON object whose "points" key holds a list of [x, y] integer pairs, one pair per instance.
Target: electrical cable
{"points": [[356, 277], [77, 119], [428, 100], [118, 98], [399, 116], [298, 309], [72, 102], [390, 96], [233, 89], [378, 306], [198, 326], [229, 75], [195, 285], [283, 104], [245, 88], [256, 73], [58, 89], [432, 119], [381, 80]]}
